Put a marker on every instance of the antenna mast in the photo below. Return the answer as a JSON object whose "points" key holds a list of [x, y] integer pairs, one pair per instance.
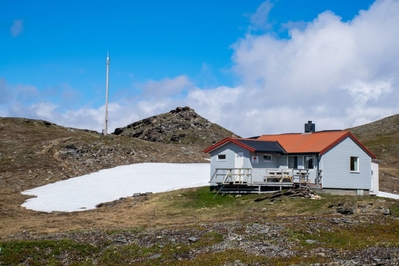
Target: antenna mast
{"points": [[106, 96]]}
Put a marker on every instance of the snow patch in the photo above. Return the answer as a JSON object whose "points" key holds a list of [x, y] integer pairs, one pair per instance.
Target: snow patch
{"points": [[85, 192]]}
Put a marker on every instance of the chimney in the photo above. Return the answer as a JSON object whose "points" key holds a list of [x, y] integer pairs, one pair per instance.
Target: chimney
{"points": [[310, 127]]}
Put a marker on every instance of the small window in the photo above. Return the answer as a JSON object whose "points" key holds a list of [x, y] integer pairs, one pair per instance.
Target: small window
{"points": [[309, 162], [221, 157], [267, 157], [354, 164]]}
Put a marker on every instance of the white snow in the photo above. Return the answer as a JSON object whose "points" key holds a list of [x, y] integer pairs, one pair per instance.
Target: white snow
{"points": [[85, 192]]}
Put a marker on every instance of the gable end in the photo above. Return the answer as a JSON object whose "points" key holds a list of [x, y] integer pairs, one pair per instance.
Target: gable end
{"points": [[354, 139]]}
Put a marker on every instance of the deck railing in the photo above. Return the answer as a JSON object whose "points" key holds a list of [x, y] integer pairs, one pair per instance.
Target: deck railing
{"points": [[273, 176], [232, 176]]}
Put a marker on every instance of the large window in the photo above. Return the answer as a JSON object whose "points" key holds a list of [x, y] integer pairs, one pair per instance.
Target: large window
{"points": [[354, 164], [221, 157]]}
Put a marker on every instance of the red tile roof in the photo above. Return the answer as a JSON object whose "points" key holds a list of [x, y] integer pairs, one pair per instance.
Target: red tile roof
{"points": [[316, 142]]}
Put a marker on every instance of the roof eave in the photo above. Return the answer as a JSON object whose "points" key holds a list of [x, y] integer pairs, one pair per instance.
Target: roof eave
{"points": [[226, 140]]}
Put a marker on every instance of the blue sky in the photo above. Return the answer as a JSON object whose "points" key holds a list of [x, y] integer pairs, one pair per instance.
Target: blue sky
{"points": [[252, 66]]}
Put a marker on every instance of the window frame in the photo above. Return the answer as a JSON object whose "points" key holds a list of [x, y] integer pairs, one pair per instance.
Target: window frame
{"points": [[221, 159], [355, 164], [267, 160], [306, 161]]}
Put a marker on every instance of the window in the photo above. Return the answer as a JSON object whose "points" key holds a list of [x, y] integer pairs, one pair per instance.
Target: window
{"points": [[354, 164], [293, 162], [309, 162], [221, 157], [267, 157]]}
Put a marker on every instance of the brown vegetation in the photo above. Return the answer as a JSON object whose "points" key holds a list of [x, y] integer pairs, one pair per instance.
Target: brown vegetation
{"points": [[35, 153]]}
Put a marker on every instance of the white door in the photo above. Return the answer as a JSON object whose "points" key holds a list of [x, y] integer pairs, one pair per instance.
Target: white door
{"points": [[374, 179], [238, 163], [239, 160]]}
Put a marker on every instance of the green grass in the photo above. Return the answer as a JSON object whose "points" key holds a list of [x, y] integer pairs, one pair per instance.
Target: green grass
{"points": [[203, 198], [123, 255], [355, 237], [45, 252], [395, 209]]}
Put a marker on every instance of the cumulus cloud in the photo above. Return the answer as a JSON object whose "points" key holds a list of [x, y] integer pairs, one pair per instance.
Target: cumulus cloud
{"points": [[17, 28], [327, 70], [335, 73]]}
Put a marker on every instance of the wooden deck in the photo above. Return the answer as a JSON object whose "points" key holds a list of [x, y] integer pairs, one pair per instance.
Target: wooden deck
{"points": [[240, 180]]}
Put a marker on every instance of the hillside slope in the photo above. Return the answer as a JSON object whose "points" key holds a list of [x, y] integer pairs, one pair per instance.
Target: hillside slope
{"points": [[36, 152], [382, 138]]}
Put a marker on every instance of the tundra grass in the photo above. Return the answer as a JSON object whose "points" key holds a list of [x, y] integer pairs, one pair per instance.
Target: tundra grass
{"points": [[302, 220], [45, 252], [203, 198], [346, 237]]}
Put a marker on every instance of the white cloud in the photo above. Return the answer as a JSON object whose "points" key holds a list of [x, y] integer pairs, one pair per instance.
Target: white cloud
{"points": [[364, 92], [166, 87], [259, 19], [337, 74], [17, 28], [327, 70], [44, 110]]}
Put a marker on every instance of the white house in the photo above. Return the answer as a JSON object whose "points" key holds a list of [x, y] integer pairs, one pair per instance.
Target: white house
{"points": [[334, 161]]}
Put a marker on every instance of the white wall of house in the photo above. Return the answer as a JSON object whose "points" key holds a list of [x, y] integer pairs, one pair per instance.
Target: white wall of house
{"points": [[336, 167], [259, 167], [230, 151]]}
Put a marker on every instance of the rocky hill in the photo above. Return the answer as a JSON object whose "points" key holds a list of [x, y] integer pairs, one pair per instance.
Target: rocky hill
{"points": [[382, 138], [37, 152], [181, 125]]}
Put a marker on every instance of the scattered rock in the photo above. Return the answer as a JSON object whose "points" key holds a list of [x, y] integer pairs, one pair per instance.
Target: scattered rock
{"points": [[155, 256], [193, 239], [346, 210], [385, 211]]}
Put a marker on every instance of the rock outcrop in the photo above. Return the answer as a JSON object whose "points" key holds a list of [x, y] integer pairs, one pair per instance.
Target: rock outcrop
{"points": [[181, 125]]}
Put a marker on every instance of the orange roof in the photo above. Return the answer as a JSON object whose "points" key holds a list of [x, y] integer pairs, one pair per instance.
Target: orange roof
{"points": [[316, 142]]}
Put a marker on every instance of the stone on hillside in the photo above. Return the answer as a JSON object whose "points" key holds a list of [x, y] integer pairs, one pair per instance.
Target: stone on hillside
{"points": [[118, 131], [181, 125]]}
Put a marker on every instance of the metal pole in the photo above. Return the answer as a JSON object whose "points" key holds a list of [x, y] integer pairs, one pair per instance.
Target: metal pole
{"points": [[106, 96]]}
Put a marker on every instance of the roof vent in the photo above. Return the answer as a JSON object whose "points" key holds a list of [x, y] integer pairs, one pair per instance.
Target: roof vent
{"points": [[310, 127]]}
